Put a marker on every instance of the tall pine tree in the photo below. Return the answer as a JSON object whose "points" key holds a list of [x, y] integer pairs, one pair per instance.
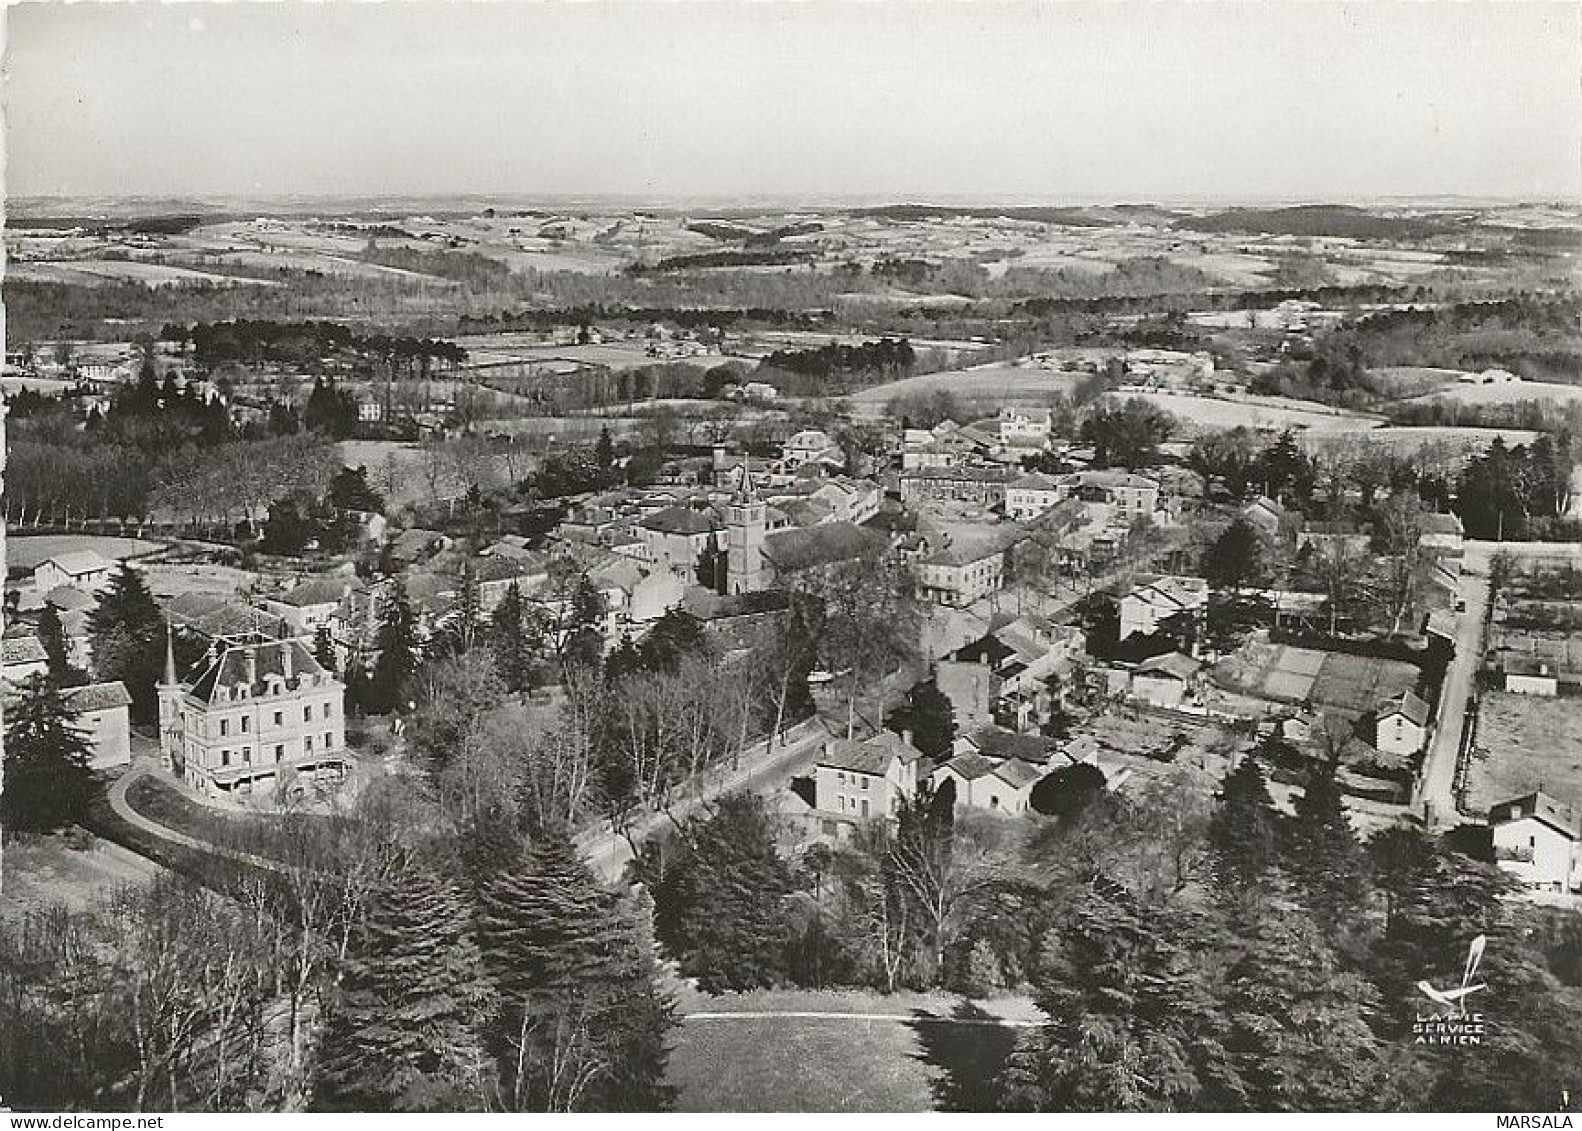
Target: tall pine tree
{"points": [[47, 777], [128, 635], [514, 645], [720, 903], [390, 682], [578, 1023], [1242, 830], [1322, 854], [52, 635], [398, 1035]]}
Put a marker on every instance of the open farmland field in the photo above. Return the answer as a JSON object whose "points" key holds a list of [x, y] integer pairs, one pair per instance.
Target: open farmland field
{"points": [[24, 552], [90, 272], [1269, 414], [981, 385], [847, 1051], [1519, 392], [1407, 441], [1411, 380], [506, 349], [1524, 742], [315, 262]]}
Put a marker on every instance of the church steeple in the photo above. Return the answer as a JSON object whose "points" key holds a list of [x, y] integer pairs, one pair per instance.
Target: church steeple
{"points": [[746, 520], [170, 661], [746, 492]]}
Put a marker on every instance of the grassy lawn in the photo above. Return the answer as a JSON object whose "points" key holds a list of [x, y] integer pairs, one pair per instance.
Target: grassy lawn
{"points": [[44, 870], [205, 868], [939, 1056], [1531, 742]]}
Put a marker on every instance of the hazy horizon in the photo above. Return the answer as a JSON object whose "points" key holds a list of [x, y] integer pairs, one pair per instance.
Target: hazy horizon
{"points": [[819, 104]]}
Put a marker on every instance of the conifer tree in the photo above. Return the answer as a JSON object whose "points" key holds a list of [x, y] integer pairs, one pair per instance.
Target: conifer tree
{"points": [[578, 1023], [1322, 854], [398, 1035], [391, 679], [52, 635], [1134, 1021], [928, 714], [513, 645], [47, 777], [720, 903], [1299, 1023], [128, 635], [1242, 829]]}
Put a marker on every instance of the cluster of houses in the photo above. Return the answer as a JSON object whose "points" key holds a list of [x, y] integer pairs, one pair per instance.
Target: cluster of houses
{"points": [[988, 769]]}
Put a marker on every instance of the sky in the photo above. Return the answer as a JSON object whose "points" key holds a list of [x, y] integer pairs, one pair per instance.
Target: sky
{"points": [[886, 99]]}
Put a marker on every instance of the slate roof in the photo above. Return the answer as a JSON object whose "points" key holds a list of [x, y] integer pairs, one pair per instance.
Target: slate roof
{"points": [[270, 658]]}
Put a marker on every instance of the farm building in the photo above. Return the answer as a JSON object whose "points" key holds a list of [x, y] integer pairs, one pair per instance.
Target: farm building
{"points": [[1528, 675], [80, 569], [1401, 725], [102, 712], [1538, 840]]}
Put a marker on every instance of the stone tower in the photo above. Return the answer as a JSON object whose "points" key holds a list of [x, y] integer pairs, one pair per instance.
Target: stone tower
{"points": [[745, 522]]}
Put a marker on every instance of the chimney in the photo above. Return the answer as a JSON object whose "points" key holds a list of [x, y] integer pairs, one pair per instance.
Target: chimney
{"points": [[288, 653], [250, 663], [906, 736]]}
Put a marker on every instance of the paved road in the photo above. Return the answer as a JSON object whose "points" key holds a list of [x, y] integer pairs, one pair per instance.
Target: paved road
{"points": [[1435, 794], [1436, 798]]}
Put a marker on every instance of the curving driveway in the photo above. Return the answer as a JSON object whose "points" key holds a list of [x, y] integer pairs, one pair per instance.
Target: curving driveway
{"points": [[123, 809]]}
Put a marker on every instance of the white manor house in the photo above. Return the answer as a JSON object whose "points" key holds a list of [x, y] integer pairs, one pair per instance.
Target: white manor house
{"points": [[263, 719]]}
